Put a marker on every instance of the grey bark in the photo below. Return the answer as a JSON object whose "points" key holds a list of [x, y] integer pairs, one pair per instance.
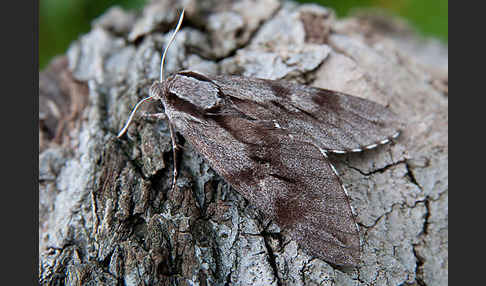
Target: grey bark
{"points": [[107, 215]]}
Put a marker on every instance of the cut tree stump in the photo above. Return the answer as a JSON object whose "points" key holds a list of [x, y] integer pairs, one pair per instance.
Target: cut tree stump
{"points": [[107, 214]]}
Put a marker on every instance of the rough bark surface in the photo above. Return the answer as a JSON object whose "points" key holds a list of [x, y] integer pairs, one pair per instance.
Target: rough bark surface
{"points": [[107, 215]]}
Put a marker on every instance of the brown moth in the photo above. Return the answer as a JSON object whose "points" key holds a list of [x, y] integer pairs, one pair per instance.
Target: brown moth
{"points": [[270, 139]]}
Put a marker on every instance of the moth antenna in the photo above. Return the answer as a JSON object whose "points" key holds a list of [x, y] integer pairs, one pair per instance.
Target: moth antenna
{"points": [[130, 118], [168, 45]]}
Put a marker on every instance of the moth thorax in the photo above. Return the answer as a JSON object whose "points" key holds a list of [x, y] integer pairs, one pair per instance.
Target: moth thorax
{"points": [[201, 93]]}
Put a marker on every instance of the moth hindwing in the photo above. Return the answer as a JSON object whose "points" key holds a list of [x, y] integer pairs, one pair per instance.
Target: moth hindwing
{"points": [[270, 139]]}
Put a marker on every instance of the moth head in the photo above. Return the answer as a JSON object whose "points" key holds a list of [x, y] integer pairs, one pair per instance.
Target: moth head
{"points": [[156, 91]]}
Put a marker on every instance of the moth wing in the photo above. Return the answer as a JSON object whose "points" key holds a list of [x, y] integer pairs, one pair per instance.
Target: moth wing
{"points": [[289, 180], [312, 205], [334, 121], [268, 140]]}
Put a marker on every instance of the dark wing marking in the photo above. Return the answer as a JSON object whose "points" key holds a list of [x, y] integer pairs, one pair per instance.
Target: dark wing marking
{"points": [[290, 181], [331, 120]]}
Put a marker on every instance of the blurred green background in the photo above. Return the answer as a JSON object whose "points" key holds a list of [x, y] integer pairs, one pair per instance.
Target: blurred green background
{"points": [[62, 21]]}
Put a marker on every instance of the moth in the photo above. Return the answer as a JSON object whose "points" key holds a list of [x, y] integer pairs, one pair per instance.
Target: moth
{"points": [[270, 141]]}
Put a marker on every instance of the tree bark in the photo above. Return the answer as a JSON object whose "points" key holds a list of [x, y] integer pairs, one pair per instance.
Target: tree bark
{"points": [[107, 214]]}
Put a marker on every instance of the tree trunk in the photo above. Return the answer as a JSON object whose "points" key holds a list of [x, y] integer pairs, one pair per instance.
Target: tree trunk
{"points": [[107, 212]]}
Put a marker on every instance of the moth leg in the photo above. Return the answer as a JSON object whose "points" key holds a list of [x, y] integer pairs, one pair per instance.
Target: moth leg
{"points": [[155, 116], [174, 154], [175, 147]]}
